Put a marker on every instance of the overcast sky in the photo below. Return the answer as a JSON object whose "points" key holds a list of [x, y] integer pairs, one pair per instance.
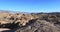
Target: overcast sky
{"points": [[30, 5]]}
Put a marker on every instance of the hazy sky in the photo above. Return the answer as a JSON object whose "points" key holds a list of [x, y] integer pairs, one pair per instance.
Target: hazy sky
{"points": [[30, 5]]}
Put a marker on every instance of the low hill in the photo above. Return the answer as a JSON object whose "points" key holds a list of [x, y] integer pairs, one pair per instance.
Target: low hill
{"points": [[30, 22]]}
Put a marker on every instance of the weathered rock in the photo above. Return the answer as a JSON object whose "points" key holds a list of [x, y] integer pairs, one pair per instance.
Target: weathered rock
{"points": [[36, 22], [39, 26]]}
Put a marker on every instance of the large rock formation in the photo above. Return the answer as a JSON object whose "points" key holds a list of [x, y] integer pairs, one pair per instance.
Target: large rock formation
{"points": [[34, 22]]}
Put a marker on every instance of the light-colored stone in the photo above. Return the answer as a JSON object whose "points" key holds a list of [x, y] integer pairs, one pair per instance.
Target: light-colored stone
{"points": [[4, 29]]}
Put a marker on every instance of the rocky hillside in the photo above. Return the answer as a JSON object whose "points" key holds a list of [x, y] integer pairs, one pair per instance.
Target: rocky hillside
{"points": [[34, 22]]}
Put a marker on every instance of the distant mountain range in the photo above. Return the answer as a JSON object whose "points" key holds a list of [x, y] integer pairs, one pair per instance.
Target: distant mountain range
{"points": [[31, 13]]}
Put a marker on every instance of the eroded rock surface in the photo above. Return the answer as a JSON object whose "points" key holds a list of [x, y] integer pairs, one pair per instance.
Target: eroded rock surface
{"points": [[39, 26], [34, 22]]}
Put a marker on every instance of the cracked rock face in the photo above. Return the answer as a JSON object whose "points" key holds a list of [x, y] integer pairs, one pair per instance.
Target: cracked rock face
{"points": [[36, 22]]}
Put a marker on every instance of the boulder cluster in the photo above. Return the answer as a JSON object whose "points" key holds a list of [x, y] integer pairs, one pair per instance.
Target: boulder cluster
{"points": [[34, 22]]}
